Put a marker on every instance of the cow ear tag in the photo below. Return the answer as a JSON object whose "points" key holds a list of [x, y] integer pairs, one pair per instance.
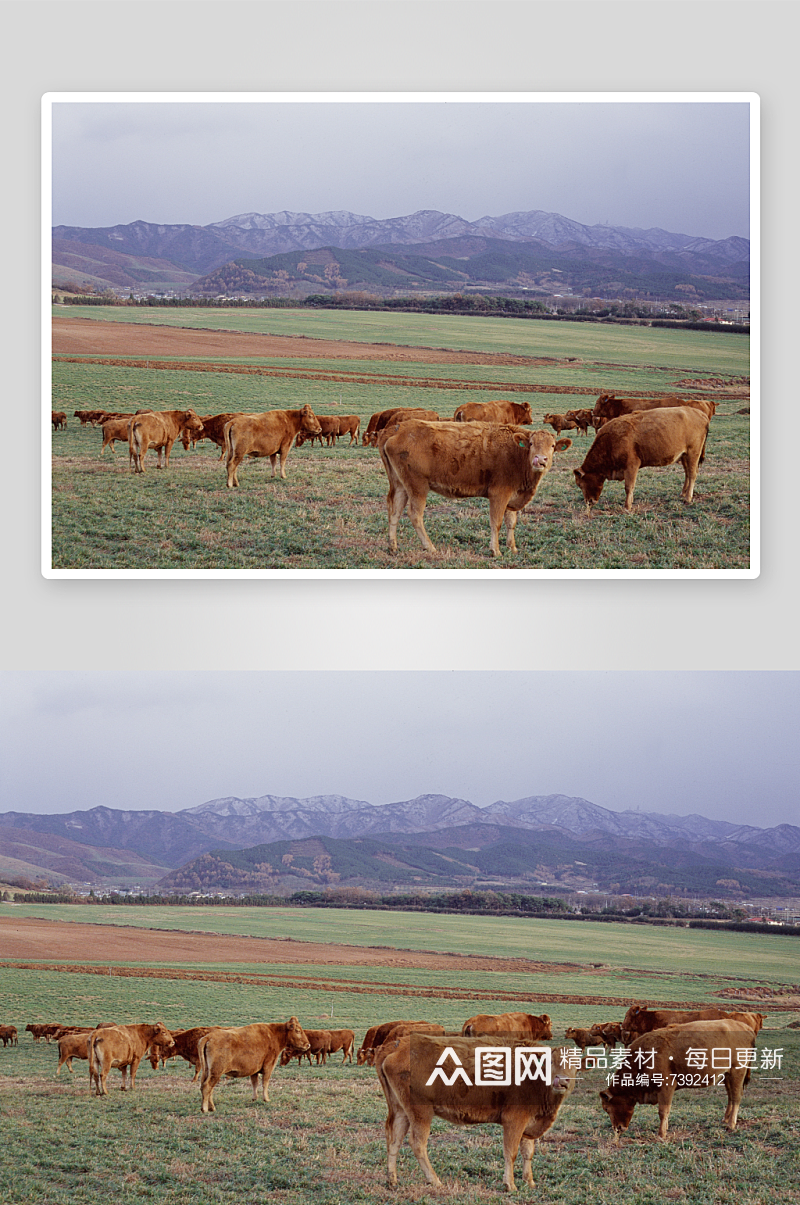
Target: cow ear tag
{"points": [[521, 443]]}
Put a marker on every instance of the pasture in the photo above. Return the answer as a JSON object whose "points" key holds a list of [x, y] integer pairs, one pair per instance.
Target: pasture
{"points": [[330, 513], [320, 1139]]}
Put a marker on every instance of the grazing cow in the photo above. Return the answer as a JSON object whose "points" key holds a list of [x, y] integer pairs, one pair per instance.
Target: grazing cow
{"points": [[271, 434], [583, 420], [72, 1046], [159, 430], [250, 1050], [113, 429], [609, 406], [376, 423], [349, 424], [185, 1044], [214, 429], [59, 420], [9, 1035], [375, 1037], [46, 1031], [90, 416], [328, 431], [560, 422], [402, 1030], [465, 460], [515, 1025], [402, 416], [122, 1046], [581, 1037], [525, 1110], [493, 412], [319, 1045], [344, 1040], [644, 439], [639, 1019], [607, 1032], [684, 1056]]}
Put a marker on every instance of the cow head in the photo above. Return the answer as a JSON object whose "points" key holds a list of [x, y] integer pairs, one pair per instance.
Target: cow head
{"points": [[619, 1109], [309, 420], [590, 485], [296, 1038]]}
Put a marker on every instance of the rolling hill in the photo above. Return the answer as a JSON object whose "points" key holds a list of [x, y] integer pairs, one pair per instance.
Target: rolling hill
{"points": [[275, 843], [294, 253]]}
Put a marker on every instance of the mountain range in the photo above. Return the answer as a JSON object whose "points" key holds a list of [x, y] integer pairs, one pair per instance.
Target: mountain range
{"points": [[275, 843], [279, 253]]}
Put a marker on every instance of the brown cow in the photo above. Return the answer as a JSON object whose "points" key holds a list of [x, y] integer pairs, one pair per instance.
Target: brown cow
{"points": [[185, 1044], [560, 422], [349, 424], [607, 1032], [465, 460], [214, 429], [515, 1025], [45, 1030], [90, 416], [525, 1110], [250, 1050], [122, 1046], [609, 406], [158, 430], [328, 431], [319, 1045], [72, 1046], [583, 420], [493, 412], [403, 416], [493, 460], [381, 417], [644, 439], [113, 429], [59, 420], [8, 1033], [375, 1037], [403, 1030], [639, 1019], [344, 1040], [655, 1079], [581, 1037], [271, 434]]}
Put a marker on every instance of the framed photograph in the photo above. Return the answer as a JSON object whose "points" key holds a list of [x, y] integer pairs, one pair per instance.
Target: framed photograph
{"points": [[384, 335]]}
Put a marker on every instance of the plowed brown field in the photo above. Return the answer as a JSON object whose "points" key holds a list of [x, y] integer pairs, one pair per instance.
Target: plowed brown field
{"points": [[83, 336]]}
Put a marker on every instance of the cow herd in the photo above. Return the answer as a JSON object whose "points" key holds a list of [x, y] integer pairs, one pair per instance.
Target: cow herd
{"points": [[485, 451], [423, 1070]]}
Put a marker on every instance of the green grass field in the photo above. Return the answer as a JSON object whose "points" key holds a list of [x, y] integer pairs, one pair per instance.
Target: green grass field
{"points": [[320, 1139], [330, 513]]}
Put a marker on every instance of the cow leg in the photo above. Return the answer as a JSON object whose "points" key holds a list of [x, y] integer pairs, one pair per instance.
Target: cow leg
{"points": [[733, 1086], [511, 523], [416, 511], [630, 482], [420, 1129], [232, 465], [664, 1105], [254, 1085], [512, 1135], [396, 501], [527, 1149], [690, 463], [396, 1129]]}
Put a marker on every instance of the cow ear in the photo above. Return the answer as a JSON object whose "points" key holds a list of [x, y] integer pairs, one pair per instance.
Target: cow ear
{"points": [[563, 444], [523, 441]]}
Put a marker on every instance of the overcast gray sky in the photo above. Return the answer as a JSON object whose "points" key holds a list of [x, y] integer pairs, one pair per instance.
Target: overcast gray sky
{"points": [[683, 167], [723, 745]]}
